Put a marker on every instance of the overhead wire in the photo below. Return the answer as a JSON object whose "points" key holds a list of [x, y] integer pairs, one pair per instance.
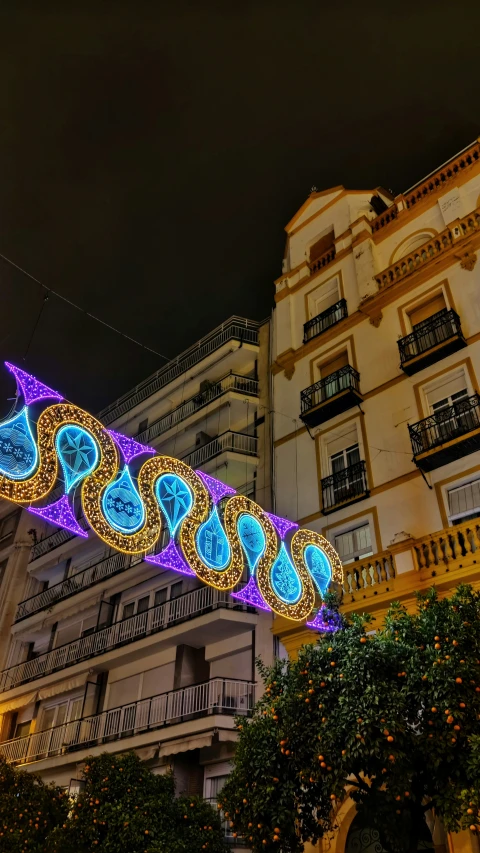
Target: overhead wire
{"points": [[72, 304]]}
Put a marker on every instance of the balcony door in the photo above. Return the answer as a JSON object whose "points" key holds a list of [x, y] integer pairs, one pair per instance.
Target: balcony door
{"points": [[350, 481], [57, 719], [421, 319], [333, 381], [456, 418]]}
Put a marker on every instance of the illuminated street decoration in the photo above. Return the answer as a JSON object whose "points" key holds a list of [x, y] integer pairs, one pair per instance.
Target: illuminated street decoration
{"points": [[217, 489], [18, 451], [170, 558], [175, 498], [129, 447], [31, 388], [326, 621], [78, 454], [215, 535], [61, 514], [122, 505]]}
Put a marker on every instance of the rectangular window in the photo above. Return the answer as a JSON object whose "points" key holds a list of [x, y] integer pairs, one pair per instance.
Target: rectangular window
{"points": [[336, 363], [464, 502], [355, 544], [23, 729], [424, 312], [128, 610], [160, 596], [323, 297], [176, 589], [143, 604]]}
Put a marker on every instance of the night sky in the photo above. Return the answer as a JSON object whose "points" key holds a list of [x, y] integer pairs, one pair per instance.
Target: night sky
{"points": [[151, 155]]}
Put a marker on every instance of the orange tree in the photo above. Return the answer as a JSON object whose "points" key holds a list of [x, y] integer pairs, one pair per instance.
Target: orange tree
{"points": [[389, 720], [125, 807], [29, 810]]}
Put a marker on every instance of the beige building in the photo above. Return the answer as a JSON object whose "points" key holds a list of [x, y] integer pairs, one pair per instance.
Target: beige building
{"points": [[376, 361], [102, 651]]}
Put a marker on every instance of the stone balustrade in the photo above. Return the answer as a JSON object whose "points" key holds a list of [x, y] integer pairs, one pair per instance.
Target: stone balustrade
{"points": [[449, 547]]}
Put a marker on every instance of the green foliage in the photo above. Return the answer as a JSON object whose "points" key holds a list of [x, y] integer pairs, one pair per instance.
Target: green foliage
{"points": [[125, 807], [29, 810], [390, 720]]}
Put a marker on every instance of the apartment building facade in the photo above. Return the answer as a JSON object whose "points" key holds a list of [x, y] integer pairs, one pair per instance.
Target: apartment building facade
{"points": [[376, 359], [104, 651]]}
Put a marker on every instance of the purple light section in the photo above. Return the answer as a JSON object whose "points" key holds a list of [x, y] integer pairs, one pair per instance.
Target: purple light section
{"points": [[323, 623], [32, 389], [129, 447], [217, 489], [250, 594], [60, 514], [170, 558], [281, 525]]}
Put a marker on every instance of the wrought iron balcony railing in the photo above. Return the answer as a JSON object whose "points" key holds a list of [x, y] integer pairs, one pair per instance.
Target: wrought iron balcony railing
{"points": [[102, 640], [345, 379], [236, 328], [346, 486], [232, 382], [446, 425], [441, 327], [325, 320], [236, 442], [217, 696]]}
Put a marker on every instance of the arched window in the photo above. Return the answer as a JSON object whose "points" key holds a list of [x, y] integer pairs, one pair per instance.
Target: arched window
{"points": [[409, 244]]}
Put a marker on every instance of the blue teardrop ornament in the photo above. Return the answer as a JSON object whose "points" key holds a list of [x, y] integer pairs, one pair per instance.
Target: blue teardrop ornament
{"points": [[212, 544], [175, 498], [252, 538], [122, 505], [285, 581], [18, 451], [78, 454], [319, 567]]}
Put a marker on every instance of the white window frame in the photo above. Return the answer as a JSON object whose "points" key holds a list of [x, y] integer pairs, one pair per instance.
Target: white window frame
{"points": [[348, 430], [57, 704], [362, 554], [452, 487], [150, 594], [322, 292], [441, 381], [422, 298]]}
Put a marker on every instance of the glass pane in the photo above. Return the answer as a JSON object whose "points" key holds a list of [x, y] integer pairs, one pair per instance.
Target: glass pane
{"points": [[61, 714], [160, 596], [76, 708], [48, 718], [143, 604], [353, 454], [128, 610], [337, 462], [176, 589]]}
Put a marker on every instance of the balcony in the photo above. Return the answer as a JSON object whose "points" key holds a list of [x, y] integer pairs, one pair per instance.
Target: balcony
{"points": [[323, 261], [217, 696], [235, 329], [233, 442], [76, 583], [325, 320], [330, 396], [180, 610], [436, 338], [238, 384], [453, 236], [344, 487], [448, 434]]}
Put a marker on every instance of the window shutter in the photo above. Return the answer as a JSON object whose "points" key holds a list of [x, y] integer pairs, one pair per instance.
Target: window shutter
{"points": [[353, 544], [452, 384], [464, 500], [336, 363], [427, 309], [343, 441]]}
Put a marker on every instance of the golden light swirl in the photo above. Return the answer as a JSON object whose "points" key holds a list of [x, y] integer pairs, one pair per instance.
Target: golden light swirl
{"points": [[302, 538]]}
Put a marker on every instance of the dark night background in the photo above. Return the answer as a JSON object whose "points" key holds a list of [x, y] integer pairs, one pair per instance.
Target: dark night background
{"points": [[151, 155]]}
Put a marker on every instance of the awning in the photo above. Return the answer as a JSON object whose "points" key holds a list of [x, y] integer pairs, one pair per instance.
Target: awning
{"points": [[18, 702], [63, 686], [145, 753], [172, 747]]}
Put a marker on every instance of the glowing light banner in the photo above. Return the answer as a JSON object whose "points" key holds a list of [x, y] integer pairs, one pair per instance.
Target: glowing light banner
{"points": [[214, 533]]}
